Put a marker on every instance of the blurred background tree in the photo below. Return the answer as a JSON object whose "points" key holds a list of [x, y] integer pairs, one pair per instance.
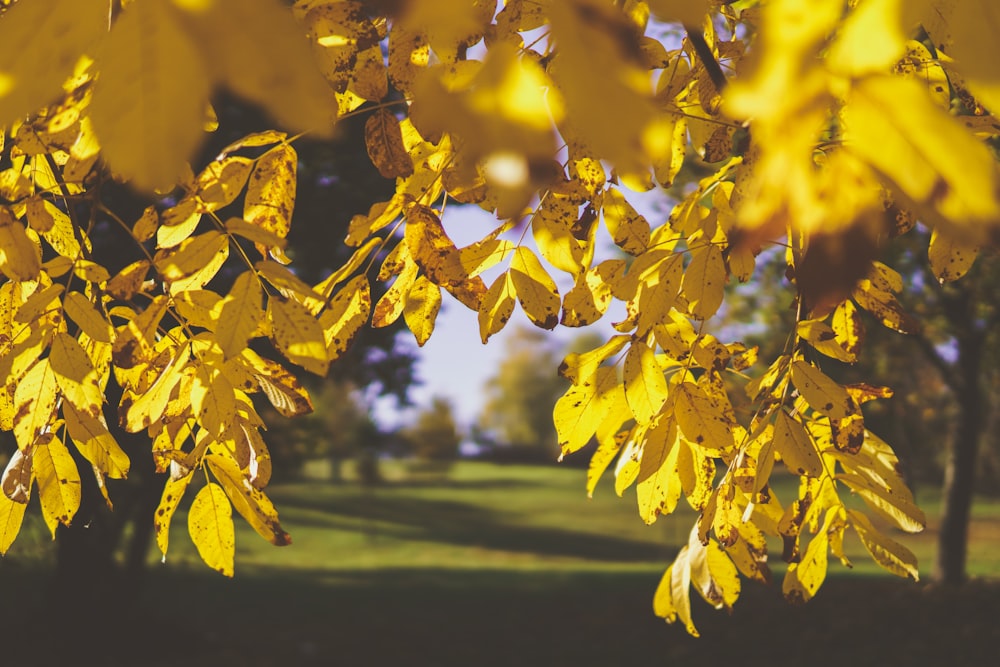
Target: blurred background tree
{"points": [[434, 436], [516, 421]]}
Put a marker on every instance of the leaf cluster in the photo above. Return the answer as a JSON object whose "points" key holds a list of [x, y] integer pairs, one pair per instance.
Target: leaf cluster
{"points": [[826, 128]]}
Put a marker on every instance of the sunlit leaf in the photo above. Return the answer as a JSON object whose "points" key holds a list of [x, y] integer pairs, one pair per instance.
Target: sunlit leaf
{"points": [[151, 95], [58, 481], [249, 501], [210, 524], [298, 335], [239, 314], [536, 291]]}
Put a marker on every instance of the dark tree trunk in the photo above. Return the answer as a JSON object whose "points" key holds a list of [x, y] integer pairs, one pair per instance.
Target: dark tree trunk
{"points": [[959, 477], [960, 469]]}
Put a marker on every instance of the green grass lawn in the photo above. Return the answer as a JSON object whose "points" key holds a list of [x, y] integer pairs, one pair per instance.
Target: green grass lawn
{"points": [[513, 565]]}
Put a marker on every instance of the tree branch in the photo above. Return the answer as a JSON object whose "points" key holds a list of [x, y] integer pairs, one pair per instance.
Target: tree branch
{"points": [[707, 58]]}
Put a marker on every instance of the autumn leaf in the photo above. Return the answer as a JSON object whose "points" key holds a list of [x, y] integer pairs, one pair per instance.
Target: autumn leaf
{"points": [[58, 481], [298, 335], [384, 141], [536, 291], [239, 314], [210, 524]]}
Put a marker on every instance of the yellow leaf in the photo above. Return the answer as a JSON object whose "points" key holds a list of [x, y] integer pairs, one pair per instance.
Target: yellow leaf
{"points": [[687, 12], [260, 52], [199, 308], [91, 272], [629, 230], [213, 400], [384, 140], [127, 282], [54, 226], [282, 278], [147, 224], [258, 235], [645, 386], [40, 43], [390, 306], [95, 442], [796, 447], [497, 306], [607, 449], [884, 306], [34, 403], [563, 236], [680, 584], [408, 55], [82, 310], [239, 314], [951, 178], [700, 419], [821, 393], [950, 255], [596, 42], [248, 500], [20, 257], [297, 335], [536, 291], [965, 30], [656, 293], [888, 553], [431, 249], [421, 309], [179, 222], [210, 524], [658, 487], [347, 314], [704, 281], [591, 295], [871, 40], [11, 517], [804, 578], [824, 339], [149, 406], [39, 304], [75, 375], [663, 599], [221, 181], [150, 98], [281, 388], [583, 407], [848, 327], [58, 481], [889, 503], [173, 491], [193, 255], [270, 197]]}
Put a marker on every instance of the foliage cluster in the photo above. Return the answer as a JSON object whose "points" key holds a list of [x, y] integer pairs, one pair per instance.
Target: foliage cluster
{"points": [[829, 128]]}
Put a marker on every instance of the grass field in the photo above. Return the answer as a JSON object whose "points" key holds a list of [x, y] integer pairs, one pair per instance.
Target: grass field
{"points": [[512, 565]]}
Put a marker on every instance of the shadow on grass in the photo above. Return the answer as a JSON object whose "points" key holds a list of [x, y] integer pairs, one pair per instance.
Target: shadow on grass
{"points": [[485, 618], [462, 524]]}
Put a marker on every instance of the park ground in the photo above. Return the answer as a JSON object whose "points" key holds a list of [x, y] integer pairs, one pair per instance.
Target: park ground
{"points": [[505, 565]]}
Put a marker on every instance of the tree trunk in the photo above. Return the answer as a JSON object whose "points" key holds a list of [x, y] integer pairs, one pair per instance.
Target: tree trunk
{"points": [[959, 476], [960, 469]]}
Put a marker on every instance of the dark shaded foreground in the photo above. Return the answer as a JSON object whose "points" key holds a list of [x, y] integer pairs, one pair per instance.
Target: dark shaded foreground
{"points": [[484, 618]]}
